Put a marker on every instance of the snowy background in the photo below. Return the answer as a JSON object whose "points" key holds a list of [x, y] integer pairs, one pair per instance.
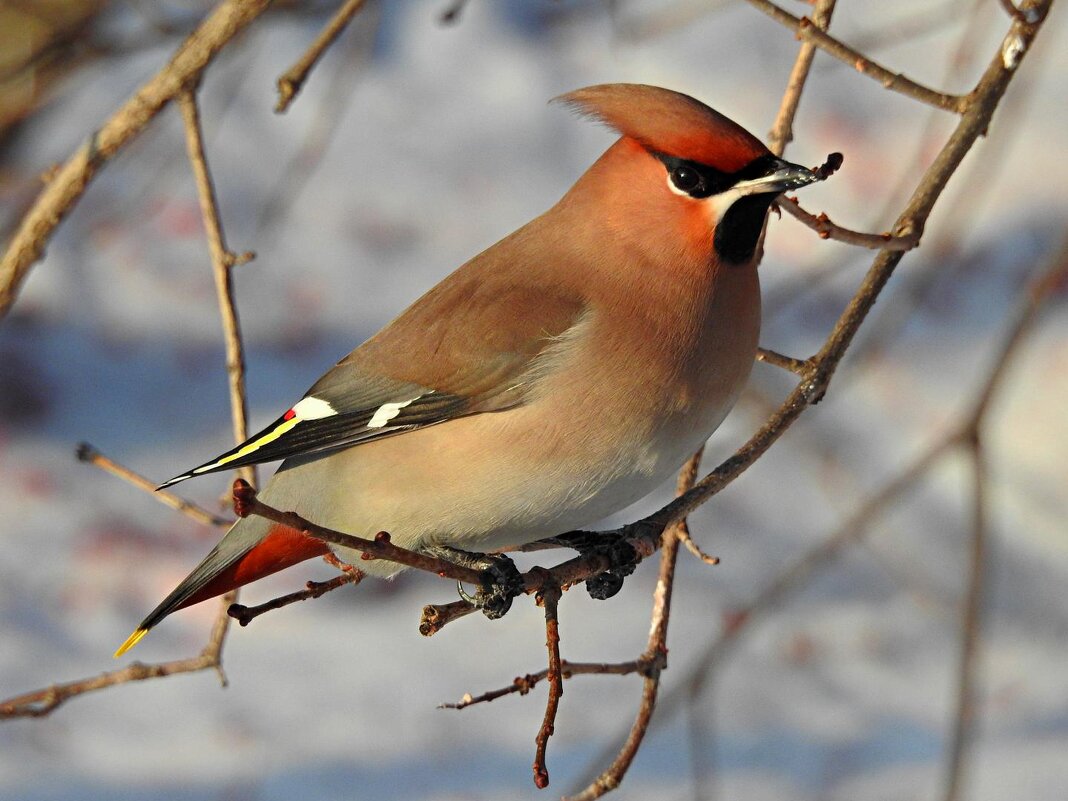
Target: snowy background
{"points": [[414, 146]]}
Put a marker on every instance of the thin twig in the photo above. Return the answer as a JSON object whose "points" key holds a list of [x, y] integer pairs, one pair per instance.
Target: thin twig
{"points": [[222, 259], [247, 503], [782, 131], [219, 629], [436, 616], [87, 453], [1012, 10], [291, 81], [42, 702], [313, 589], [1035, 298], [693, 547], [70, 181], [1037, 295], [970, 624], [799, 367], [972, 124], [822, 225], [300, 169], [655, 655], [522, 685], [807, 31], [687, 477], [549, 598], [794, 576], [891, 316]]}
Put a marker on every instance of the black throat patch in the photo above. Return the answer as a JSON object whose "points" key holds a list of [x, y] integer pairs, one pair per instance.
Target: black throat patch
{"points": [[737, 233]]}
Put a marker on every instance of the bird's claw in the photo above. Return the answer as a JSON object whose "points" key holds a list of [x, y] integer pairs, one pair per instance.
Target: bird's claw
{"points": [[501, 579], [502, 582], [624, 559]]}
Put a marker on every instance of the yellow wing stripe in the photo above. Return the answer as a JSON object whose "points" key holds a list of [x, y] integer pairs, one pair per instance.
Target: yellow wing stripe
{"points": [[255, 445]]}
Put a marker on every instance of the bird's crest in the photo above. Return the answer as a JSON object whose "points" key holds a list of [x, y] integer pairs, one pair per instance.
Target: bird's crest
{"points": [[668, 122]]}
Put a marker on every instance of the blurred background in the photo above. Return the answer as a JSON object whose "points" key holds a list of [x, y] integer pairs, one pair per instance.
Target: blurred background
{"points": [[422, 138]]}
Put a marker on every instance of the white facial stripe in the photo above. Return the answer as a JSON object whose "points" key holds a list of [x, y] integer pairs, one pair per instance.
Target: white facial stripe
{"points": [[313, 409], [387, 411], [717, 205]]}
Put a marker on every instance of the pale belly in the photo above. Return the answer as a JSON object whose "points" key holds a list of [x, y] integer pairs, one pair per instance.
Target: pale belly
{"points": [[453, 484], [567, 459]]}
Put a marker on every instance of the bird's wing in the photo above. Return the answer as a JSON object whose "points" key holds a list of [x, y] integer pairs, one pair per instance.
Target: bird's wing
{"points": [[464, 348]]}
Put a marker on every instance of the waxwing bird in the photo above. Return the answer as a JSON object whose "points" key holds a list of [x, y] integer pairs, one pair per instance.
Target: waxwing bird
{"points": [[552, 380]]}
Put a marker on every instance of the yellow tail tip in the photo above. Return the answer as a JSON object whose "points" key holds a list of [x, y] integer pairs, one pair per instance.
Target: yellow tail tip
{"points": [[131, 641]]}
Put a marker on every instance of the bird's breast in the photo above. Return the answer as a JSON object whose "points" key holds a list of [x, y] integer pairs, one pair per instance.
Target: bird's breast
{"points": [[619, 408]]}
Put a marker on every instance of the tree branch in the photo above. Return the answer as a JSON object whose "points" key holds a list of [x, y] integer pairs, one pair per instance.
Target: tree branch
{"points": [[655, 655], [808, 31], [973, 123], [68, 183], [549, 598], [313, 589], [291, 81], [42, 702], [90, 455], [822, 225], [782, 131], [222, 260]]}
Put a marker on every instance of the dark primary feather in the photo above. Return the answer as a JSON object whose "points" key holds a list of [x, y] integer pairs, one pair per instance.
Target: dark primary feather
{"points": [[452, 358]]}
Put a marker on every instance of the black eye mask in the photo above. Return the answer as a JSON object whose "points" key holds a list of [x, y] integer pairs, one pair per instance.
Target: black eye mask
{"points": [[736, 234], [700, 180]]}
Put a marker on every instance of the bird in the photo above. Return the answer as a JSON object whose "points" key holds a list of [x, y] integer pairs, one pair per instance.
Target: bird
{"points": [[554, 379]]}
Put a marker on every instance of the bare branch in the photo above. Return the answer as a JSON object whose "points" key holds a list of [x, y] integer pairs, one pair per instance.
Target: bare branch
{"points": [[436, 616], [549, 598], [655, 655], [782, 131], [808, 31], [799, 367], [247, 503], [694, 548], [222, 259], [1014, 12], [293, 79], [822, 225], [973, 123], [970, 625], [42, 702], [687, 477], [87, 453], [795, 575], [313, 589], [1038, 294], [70, 181], [522, 685]]}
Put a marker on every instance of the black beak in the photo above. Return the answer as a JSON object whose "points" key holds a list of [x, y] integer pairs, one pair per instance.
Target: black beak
{"points": [[782, 177]]}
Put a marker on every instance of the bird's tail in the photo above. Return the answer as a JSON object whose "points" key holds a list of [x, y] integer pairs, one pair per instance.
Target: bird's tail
{"points": [[253, 548]]}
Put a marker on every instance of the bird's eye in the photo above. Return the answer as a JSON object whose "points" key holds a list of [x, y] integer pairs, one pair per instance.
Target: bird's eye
{"points": [[687, 179]]}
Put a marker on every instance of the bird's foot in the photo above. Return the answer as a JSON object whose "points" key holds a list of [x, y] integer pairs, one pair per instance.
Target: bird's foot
{"points": [[501, 582], [621, 555], [624, 560]]}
